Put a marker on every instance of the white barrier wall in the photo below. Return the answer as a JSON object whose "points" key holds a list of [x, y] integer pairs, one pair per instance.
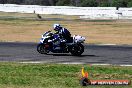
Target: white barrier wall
{"points": [[83, 12]]}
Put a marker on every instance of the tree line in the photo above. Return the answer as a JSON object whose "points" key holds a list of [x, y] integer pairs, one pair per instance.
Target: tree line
{"points": [[79, 3]]}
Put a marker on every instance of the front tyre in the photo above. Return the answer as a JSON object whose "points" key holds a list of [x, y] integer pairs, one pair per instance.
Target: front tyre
{"points": [[41, 49], [77, 50]]}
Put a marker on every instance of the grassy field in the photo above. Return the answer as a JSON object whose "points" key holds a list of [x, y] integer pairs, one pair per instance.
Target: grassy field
{"points": [[15, 75], [16, 27]]}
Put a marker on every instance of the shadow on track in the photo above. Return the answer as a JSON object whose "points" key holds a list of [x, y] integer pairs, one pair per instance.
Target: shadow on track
{"points": [[88, 56], [58, 54], [54, 54]]}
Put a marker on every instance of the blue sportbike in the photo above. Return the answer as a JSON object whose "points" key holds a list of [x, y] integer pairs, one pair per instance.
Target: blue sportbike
{"points": [[73, 45]]}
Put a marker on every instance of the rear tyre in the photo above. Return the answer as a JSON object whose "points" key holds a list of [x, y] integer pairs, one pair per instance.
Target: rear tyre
{"points": [[77, 50], [41, 49]]}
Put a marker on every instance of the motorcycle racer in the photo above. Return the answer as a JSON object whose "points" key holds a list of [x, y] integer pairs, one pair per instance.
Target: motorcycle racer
{"points": [[63, 34], [60, 41]]}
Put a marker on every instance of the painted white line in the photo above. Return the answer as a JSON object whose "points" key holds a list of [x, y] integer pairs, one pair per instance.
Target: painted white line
{"points": [[33, 62], [107, 44], [39, 62], [126, 65], [72, 63], [101, 64], [123, 65]]}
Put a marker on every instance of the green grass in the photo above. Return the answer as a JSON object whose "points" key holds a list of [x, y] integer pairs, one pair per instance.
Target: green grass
{"points": [[14, 75]]}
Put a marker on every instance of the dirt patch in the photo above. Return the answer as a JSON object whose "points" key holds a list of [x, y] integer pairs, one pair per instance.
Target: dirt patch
{"points": [[30, 30]]}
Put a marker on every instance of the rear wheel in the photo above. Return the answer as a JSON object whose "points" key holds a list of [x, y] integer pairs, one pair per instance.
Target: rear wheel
{"points": [[41, 49], [77, 49]]}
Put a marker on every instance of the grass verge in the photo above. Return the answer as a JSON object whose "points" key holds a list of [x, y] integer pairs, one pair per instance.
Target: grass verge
{"points": [[16, 75]]}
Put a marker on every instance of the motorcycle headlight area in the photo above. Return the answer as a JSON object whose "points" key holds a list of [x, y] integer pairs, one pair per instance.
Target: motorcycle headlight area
{"points": [[43, 38]]}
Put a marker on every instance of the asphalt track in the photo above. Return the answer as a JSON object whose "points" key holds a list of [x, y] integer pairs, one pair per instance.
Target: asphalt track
{"points": [[94, 54]]}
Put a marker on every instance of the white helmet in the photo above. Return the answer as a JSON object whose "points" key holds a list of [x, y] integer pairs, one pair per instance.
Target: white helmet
{"points": [[56, 26]]}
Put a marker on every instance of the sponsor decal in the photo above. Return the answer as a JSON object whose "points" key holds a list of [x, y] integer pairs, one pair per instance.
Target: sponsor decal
{"points": [[85, 81]]}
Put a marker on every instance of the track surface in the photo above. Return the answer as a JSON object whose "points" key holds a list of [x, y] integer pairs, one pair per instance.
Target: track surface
{"points": [[94, 54]]}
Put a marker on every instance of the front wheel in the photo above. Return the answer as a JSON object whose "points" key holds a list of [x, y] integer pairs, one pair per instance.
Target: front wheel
{"points": [[41, 49], [77, 49]]}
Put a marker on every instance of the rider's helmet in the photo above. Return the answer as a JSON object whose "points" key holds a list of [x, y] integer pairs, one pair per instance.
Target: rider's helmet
{"points": [[56, 27]]}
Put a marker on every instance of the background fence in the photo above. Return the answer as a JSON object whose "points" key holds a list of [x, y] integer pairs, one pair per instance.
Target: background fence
{"points": [[83, 12]]}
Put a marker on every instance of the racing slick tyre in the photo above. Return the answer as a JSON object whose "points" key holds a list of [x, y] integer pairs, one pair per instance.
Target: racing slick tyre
{"points": [[77, 50], [41, 49]]}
